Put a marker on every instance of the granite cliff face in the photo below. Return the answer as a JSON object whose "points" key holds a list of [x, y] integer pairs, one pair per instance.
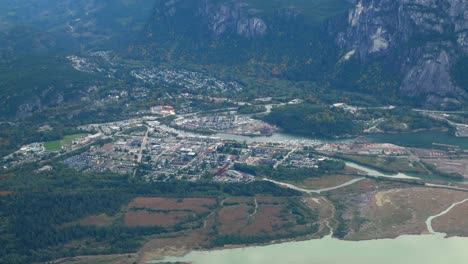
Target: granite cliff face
{"points": [[217, 19], [415, 42], [422, 37]]}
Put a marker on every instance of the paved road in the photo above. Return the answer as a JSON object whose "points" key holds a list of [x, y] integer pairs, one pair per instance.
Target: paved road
{"points": [[143, 145], [285, 157]]}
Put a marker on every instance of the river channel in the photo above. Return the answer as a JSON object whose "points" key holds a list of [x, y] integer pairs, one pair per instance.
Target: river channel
{"points": [[419, 139], [408, 249]]}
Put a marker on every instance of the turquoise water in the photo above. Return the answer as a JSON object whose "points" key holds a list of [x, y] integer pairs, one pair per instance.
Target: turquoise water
{"points": [[422, 249], [422, 139], [400, 175]]}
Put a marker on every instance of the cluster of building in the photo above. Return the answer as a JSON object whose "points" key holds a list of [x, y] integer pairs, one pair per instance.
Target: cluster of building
{"points": [[191, 81], [461, 130], [364, 148], [230, 123], [27, 153], [145, 148], [109, 157], [82, 64], [37, 151], [115, 128], [166, 110]]}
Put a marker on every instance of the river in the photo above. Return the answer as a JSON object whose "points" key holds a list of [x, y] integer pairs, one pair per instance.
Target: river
{"points": [[408, 249], [421, 139], [276, 137], [375, 173]]}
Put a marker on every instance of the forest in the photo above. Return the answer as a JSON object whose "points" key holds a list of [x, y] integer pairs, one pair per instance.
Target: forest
{"points": [[31, 233], [313, 120]]}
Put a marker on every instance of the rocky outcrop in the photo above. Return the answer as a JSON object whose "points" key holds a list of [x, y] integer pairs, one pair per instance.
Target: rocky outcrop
{"points": [[217, 18], [430, 77], [50, 97], [422, 37], [233, 17]]}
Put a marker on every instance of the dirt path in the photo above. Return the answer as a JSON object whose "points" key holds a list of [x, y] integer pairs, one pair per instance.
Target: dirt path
{"points": [[255, 209], [429, 220]]}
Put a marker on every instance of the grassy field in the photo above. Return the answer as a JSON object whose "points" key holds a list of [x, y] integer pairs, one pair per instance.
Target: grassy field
{"points": [[390, 213], [65, 142], [321, 182]]}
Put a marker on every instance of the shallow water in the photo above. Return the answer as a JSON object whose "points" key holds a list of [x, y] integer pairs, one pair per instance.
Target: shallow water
{"points": [[425, 249]]}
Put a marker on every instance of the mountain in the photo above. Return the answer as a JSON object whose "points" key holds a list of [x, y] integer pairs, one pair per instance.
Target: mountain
{"points": [[88, 24], [37, 36], [412, 48], [396, 51], [423, 38], [235, 31]]}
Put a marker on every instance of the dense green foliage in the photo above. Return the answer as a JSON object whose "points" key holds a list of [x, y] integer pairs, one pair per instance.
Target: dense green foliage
{"points": [[233, 148], [400, 119], [39, 220], [284, 51], [379, 79], [87, 23], [12, 137], [251, 109], [313, 120], [316, 11], [460, 73], [39, 81]]}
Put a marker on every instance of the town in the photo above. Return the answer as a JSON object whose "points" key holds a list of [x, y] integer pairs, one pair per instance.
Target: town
{"points": [[145, 147], [192, 81]]}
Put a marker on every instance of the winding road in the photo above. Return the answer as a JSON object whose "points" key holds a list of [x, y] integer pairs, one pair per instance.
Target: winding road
{"points": [[291, 186]]}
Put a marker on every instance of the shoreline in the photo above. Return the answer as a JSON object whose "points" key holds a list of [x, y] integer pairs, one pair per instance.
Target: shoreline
{"points": [[184, 253]]}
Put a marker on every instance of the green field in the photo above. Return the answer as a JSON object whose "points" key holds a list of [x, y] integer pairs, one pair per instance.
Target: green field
{"points": [[387, 164], [65, 142]]}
